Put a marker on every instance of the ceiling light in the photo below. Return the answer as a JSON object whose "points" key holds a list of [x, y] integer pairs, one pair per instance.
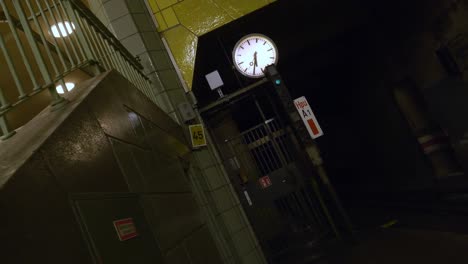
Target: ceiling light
{"points": [[62, 29], [68, 85]]}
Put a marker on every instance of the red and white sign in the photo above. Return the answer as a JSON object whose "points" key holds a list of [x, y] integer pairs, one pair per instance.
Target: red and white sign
{"points": [[265, 182], [308, 117], [125, 229]]}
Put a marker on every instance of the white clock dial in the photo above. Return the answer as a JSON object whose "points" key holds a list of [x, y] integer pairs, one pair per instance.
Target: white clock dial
{"points": [[253, 53]]}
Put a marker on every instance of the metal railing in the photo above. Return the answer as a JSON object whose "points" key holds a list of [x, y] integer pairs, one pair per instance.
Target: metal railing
{"points": [[268, 146], [43, 41], [289, 207]]}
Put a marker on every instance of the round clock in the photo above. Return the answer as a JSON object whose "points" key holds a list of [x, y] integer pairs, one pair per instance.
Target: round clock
{"points": [[253, 53]]}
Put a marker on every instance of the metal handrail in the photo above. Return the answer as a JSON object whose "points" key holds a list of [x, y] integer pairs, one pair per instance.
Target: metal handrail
{"points": [[83, 42], [105, 31]]}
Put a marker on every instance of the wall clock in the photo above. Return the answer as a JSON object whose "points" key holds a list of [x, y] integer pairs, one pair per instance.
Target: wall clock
{"points": [[253, 53]]}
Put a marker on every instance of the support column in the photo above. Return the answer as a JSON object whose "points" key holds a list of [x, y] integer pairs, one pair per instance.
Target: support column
{"points": [[433, 141]]}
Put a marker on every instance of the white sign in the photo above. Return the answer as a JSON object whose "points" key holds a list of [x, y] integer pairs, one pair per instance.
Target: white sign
{"points": [[308, 117], [214, 80]]}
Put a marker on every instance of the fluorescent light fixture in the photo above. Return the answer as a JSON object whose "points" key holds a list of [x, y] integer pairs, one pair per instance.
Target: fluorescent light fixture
{"points": [[62, 29], [68, 85]]}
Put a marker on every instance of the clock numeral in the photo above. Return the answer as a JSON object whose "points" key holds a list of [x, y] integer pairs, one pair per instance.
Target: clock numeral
{"points": [[248, 42], [240, 63], [272, 57], [245, 69], [264, 43], [270, 49], [256, 40], [241, 47]]}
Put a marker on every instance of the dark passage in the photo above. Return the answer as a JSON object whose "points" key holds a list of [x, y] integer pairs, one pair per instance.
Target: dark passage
{"points": [[379, 77]]}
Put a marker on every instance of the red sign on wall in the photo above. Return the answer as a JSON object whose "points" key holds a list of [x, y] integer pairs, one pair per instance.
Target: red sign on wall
{"points": [[265, 182], [125, 229]]}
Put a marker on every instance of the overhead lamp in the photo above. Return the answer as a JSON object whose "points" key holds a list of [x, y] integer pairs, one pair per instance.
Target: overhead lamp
{"points": [[69, 86], [62, 29]]}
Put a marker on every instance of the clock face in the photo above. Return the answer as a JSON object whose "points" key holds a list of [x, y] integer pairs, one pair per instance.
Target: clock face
{"points": [[253, 53]]}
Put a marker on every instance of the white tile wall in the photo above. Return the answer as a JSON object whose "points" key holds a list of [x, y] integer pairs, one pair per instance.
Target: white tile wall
{"points": [[177, 96], [243, 243], [124, 26], [156, 82], [161, 60], [144, 22], [169, 79], [134, 43], [233, 220], [164, 103], [115, 9], [152, 41], [213, 177], [136, 6], [223, 199]]}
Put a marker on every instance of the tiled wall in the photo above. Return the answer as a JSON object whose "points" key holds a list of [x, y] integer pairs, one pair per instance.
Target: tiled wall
{"points": [[181, 22], [220, 201], [132, 24]]}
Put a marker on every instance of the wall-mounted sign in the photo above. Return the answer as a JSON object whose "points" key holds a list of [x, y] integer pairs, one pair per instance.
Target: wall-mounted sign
{"points": [[186, 111], [214, 80], [308, 117], [125, 229], [265, 182], [197, 134]]}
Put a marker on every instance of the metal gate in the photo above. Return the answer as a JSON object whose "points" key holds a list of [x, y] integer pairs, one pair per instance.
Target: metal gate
{"points": [[277, 198]]}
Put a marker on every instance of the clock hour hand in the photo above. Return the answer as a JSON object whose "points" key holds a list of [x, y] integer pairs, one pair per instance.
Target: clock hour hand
{"points": [[255, 62], [255, 59]]}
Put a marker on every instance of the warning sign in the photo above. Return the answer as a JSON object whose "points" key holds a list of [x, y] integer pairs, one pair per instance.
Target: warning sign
{"points": [[308, 117], [125, 229], [197, 135], [265, 182]]}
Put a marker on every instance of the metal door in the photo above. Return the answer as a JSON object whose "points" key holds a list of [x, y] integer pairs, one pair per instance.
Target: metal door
{"points": [[98, 214], [270, 182]]}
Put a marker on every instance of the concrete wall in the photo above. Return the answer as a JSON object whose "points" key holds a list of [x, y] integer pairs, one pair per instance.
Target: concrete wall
{"points": [[109, 140]]}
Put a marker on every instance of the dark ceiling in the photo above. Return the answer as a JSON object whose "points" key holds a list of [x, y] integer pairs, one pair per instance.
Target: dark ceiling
{"points": [[312, 35], [335, 53]]}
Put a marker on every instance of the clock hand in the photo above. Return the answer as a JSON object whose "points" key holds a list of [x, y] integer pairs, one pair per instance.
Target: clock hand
{"points": [[255, 62], [255, 59]]}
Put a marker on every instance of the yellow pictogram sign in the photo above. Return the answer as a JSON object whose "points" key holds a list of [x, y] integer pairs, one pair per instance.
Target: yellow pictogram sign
{"points": [[197, 135]]}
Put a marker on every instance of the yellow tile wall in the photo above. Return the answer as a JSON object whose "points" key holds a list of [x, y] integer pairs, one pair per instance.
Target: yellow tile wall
{"points": [[181, 22]]}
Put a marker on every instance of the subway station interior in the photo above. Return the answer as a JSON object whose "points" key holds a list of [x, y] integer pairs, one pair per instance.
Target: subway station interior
{"points": [[233, 132]]}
